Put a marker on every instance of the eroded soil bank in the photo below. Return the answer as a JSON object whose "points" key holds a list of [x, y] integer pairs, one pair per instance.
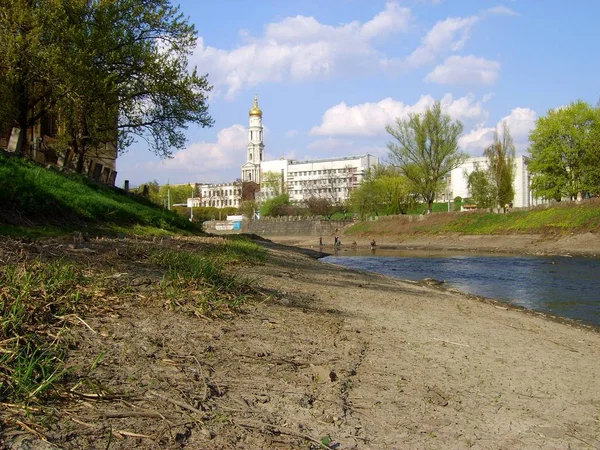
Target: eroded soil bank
{"points": [[328, 355]]}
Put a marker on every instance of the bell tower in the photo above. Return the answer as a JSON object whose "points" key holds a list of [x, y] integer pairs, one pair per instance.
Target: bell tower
{"points": [[255, 149]]}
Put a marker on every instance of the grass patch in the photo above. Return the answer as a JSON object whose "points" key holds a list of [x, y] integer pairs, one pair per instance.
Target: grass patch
{"points": [[35, 299], [556, 219], [33, 195], [237, 249], [199, 284]]}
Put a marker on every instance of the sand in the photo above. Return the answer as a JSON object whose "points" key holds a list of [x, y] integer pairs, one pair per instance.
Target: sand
{"points": [[335, 356]]}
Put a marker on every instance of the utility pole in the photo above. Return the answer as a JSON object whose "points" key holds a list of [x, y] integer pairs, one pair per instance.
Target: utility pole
{"points": [[169, 199]]}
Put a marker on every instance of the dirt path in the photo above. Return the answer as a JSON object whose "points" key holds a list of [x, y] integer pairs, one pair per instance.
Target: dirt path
{"points": [[334, 356]]}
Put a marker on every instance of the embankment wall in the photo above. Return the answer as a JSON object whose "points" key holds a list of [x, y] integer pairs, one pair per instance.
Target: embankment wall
{"points": [[284, 226]]}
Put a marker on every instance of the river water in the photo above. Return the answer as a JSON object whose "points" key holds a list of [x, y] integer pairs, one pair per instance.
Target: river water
{"points": [[563, 286]]}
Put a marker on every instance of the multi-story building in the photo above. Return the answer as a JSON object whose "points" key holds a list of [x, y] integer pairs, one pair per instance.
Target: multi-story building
{"points": [[218, 195], [458, 186], [330, 178]]}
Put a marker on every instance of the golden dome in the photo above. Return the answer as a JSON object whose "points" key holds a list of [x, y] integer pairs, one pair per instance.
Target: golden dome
{"points": [[255, 111]]}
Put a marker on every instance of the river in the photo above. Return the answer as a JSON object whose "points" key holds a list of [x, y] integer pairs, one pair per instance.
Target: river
{"points": [[563, 286]]}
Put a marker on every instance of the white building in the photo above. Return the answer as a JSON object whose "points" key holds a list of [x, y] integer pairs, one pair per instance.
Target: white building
{"points": [[331, 178], [521, 184], [223, 195]]}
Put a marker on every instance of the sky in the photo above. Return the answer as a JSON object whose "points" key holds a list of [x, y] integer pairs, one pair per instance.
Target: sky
{"points": [[331, 74]]}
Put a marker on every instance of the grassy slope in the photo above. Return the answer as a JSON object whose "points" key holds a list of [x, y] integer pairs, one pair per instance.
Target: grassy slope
{"points": [[32, 195], [557, 219], [40, 293]]}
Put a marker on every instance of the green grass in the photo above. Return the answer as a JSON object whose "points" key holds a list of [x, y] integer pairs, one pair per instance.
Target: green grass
{"points": [[556, 219], [199, 283], [35, 297], [39, 299], [34, 195]]}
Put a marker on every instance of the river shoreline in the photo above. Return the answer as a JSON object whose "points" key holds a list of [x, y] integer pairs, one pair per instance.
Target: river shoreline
{"points": [[323, 356], [586, 244], [454, 370]]}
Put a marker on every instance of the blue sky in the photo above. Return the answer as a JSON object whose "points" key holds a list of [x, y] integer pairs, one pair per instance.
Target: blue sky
{"points": [[331, 74]]}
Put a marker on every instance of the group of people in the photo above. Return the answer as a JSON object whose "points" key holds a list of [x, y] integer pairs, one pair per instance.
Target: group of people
{"points": [[337, 242]]}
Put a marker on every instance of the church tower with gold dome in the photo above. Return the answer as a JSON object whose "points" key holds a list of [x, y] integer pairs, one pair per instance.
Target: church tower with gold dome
{"points": [[254, 154]]}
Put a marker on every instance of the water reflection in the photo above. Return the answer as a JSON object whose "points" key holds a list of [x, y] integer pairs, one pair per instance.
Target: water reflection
{"points": [[568, 287]]}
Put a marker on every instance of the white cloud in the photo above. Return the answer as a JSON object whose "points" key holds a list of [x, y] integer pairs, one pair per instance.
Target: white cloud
{"points": [[201, 160], [301, 48], [502, 11], [466, 70], [520, 122], [446, 35], [291, 133], [487, 97], [370, 119]]}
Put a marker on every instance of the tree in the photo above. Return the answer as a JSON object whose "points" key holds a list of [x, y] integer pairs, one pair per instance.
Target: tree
{"points": [[501, 166], [249, 189], [320, 206], [395, 190], [565, 152], [110, 69], [383, 190], [482, 189], [426, 149], [276, 206], [365, 199], [271, 184]]}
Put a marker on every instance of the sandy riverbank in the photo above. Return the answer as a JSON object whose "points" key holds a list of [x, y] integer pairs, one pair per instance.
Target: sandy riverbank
{"points": [[331, 355], [586, 244]]}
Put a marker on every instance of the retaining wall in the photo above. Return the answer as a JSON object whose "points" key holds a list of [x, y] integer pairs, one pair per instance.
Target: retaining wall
{"points": [[284, 226]]}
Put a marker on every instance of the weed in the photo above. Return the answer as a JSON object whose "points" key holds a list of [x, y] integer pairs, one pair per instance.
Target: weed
{"points": [[198, 283], [35, 298]]}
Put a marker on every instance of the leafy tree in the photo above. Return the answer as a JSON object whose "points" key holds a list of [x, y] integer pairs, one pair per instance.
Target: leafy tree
{"points": [[110, 69], [426, 149], [320, 206], [248, 208], [366, 198], [483, 192], [501, 166], [276, 206], [177, 193], [272, 183], [26, 56], [384, 190], [395, 190], [565, 152]]}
